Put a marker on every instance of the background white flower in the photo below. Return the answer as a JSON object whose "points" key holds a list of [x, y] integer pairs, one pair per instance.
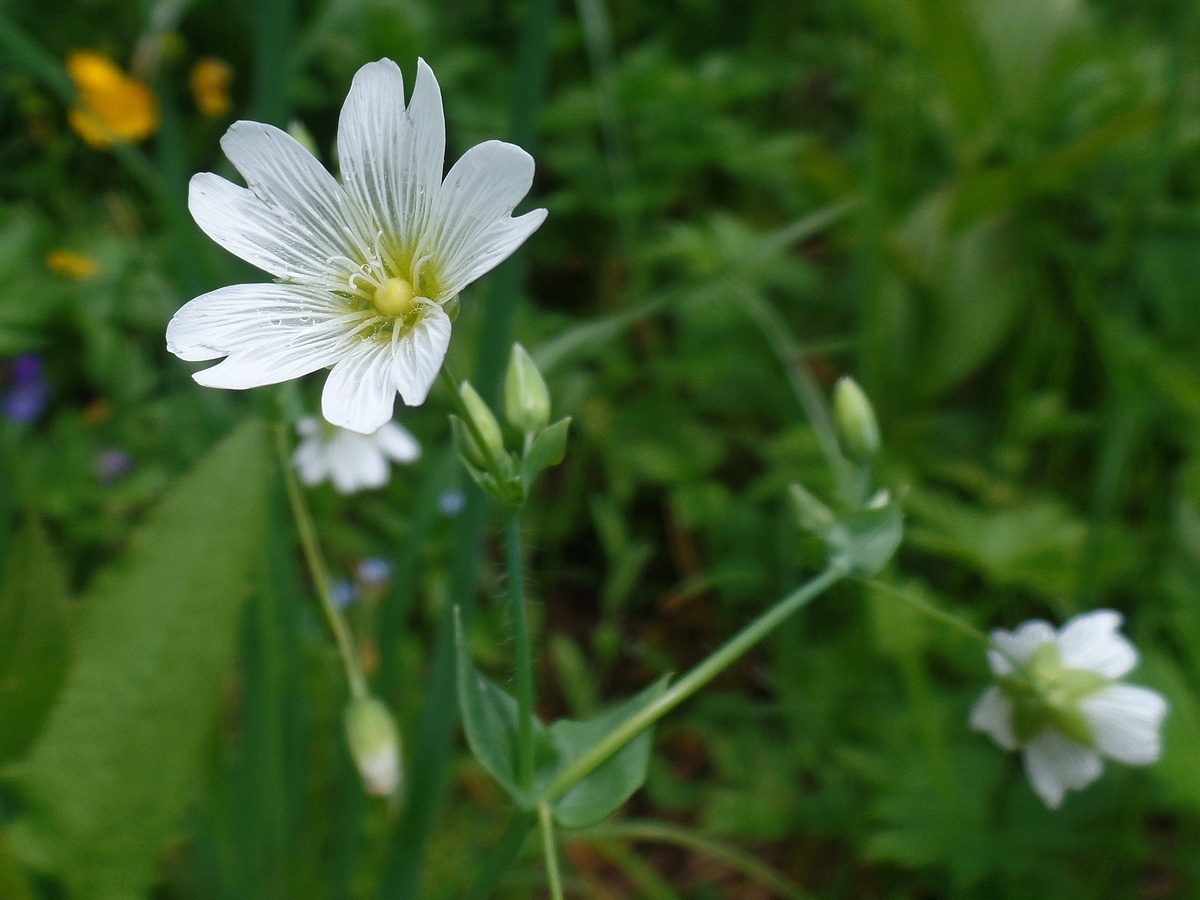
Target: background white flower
{"points": [[1063, 707], [352, 461], [368, 270]]}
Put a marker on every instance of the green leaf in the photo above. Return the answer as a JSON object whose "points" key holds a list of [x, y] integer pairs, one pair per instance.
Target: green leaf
{"points": [[489, 717], [35, 639], [952, 50], [116, 765], [866, 540], [601, 793], [13, 884], [549, 448]]}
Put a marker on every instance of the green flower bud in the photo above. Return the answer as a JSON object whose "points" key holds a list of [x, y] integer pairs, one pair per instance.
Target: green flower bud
{"points": [[856, 421], [526, 399], [482, 425], [374, 745]]}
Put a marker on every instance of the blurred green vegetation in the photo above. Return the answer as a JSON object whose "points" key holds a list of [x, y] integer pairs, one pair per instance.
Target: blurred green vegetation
{"points": [[989, 213]]}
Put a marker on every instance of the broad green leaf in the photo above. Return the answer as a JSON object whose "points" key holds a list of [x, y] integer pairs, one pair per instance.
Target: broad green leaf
{"points": [[489, 717], [971, 275], [13, 883], [949, 43], [35, 639], [1020, 36], [116, 765], [602, 792]]}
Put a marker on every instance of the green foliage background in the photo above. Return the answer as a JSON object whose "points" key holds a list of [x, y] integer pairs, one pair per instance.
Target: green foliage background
{"points": [[988, 212]]}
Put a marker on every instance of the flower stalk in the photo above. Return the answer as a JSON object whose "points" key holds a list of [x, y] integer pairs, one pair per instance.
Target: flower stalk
{"points": [[721, 659], [317, 569], [550, 851]]}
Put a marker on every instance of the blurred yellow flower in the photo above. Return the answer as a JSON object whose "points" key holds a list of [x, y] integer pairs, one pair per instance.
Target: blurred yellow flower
{"points": [[70, 264], [112, 107], [211, 79]]}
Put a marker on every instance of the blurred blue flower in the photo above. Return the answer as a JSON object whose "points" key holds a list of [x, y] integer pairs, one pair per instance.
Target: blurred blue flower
{"points": [[27, 398], [343, 592], [451, 502], [374, 572]]}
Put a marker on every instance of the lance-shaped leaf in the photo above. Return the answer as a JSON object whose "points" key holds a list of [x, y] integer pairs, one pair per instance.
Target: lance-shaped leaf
{"points": [[110, 776], [489, 717], [35, 640]]}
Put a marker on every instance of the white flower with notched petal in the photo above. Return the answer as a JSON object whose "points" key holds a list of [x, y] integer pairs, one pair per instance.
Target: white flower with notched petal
{"points": [[368, 270], [352, 461], [1059, 702]]}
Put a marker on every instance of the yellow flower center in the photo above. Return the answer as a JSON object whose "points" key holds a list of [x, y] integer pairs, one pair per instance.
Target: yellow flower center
{"points": [[395, 297]]}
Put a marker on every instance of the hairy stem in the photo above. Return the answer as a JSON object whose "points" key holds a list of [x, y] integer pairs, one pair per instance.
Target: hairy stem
{"points": [[522, 657]]}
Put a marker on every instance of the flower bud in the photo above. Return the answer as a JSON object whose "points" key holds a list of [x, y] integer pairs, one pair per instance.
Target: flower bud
{"points": [[526, 398], [375, 746], [482, 425], [856, 421]]}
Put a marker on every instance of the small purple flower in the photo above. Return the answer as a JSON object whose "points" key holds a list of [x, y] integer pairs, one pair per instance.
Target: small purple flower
{"points": [[374, 572], [27, 398], [112, 465]]}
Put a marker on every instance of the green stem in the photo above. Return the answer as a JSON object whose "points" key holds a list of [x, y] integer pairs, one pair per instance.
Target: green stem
{"points": [[550, 851], [928, 609], [316, 567], [807, 390], [522, 658], [702, 674]]}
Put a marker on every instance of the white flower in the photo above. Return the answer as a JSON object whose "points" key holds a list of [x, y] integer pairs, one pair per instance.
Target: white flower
{"points": [[352, 461], [368, 271], [1062, 706]]}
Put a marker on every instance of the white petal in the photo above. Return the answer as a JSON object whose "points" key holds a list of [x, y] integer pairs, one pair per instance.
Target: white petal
{"points": [[993, 714], [392, 159], [286, 177], [309, 461], [1055, 764], [269, 237], [1091, 642], [360, 392], [396, 441], [419, 355], [356, 464], [269, 332], [470, 230], [1125, 721], [1018, 645]]}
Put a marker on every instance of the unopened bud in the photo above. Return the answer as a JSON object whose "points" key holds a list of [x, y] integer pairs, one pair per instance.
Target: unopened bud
{"points": [[526, 398], [375, 745], [483, 425], [856, 421]]}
